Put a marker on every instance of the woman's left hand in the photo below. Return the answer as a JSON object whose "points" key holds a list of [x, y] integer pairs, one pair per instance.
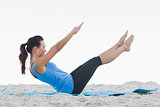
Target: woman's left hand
{"points": [[76, 29]]}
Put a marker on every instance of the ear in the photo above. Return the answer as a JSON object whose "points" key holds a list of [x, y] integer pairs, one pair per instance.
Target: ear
{"points": [[35, 48]]}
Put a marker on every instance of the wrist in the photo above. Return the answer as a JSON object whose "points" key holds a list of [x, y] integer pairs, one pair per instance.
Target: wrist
{"points": [[71, 33]]}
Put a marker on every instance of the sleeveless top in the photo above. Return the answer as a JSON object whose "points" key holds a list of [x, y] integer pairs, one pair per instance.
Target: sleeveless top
{"points": [[61, 81]]}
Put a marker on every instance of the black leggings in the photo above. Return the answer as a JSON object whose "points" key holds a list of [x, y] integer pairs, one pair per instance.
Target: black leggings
{"points": [[83, 74]]}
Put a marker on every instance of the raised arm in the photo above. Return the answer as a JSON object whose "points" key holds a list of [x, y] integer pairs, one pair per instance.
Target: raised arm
{"points": [[64, 41], [57, 47]]}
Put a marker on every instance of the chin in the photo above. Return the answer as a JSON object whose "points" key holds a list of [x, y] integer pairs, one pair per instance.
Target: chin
{"points": [[41, 55]]}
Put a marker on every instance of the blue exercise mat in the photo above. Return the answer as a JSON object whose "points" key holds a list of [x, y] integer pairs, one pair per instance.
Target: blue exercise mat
{"points": [[140, 91]]}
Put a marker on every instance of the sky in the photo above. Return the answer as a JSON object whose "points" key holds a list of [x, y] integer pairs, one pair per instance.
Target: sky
{"points": [[105, 21]]}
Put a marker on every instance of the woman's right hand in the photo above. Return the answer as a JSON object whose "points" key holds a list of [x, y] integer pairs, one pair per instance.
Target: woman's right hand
{"points": [[76, 29]]}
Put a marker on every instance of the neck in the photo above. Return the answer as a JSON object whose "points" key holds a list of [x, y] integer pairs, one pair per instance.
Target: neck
{"points": [[33, 58]]}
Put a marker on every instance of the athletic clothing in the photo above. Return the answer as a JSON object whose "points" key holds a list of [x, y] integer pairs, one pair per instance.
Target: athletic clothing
{"points": [[59, 80], [72, 83], [83, 74]]}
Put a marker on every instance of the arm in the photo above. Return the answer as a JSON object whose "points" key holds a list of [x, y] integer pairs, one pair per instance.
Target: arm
{"points": [[57, 47], [64, 41]]}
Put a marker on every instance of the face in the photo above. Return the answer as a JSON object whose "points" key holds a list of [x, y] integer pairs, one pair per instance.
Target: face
{"points": [[40, 51]]}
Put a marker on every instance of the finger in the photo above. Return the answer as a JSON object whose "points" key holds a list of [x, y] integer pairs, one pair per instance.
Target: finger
{"points": [[81, 24]]}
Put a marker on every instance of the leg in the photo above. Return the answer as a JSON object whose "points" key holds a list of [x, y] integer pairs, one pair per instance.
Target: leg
{"points": [[113, 53], [83, 74]]}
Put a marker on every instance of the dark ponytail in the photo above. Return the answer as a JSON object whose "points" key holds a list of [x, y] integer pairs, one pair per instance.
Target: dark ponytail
{"points": [[22, 57], [33, 41]]}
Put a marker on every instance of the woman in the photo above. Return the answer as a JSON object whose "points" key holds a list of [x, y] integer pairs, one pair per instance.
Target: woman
{"points": [[72, 83]]}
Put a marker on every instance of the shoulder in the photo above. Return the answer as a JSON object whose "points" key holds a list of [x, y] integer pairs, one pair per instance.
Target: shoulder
{"points": [[38, 68]]}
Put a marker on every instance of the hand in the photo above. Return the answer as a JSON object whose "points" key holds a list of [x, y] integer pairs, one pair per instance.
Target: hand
{"points": [[76, 29]]}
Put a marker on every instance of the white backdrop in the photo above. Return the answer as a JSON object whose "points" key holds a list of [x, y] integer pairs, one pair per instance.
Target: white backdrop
{"points": [[105, 21]]}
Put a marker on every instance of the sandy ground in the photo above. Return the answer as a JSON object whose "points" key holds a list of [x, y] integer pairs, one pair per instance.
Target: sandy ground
{"points": [[151, 99]]}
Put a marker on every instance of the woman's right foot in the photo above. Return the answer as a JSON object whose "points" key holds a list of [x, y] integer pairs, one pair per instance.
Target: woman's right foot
{"points": [[128, 42]]}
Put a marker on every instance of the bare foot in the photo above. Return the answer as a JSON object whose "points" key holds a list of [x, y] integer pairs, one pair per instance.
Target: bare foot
{"points": [[128, 43], [122, 39]]}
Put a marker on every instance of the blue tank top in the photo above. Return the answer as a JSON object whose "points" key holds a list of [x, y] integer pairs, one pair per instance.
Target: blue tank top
{"points": [[61, 81]]}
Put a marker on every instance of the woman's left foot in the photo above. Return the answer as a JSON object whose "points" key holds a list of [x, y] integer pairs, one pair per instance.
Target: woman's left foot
{"points": [[122, 39]]}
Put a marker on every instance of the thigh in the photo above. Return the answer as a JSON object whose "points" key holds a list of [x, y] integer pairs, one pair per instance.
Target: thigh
{"points": [[76, 71], [83, 73]]}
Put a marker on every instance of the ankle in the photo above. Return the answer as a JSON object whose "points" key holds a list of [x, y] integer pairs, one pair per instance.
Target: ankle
{"points": [[119, 44], [125, 47]]}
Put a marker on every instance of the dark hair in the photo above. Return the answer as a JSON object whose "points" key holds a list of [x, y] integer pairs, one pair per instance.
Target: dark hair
{"points": [[33, 41]]}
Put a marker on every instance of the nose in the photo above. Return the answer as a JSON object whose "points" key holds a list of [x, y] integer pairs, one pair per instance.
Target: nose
{"points": [[44, 50]]}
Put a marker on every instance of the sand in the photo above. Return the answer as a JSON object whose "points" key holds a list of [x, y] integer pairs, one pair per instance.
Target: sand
{"points": [[151, 99]]}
